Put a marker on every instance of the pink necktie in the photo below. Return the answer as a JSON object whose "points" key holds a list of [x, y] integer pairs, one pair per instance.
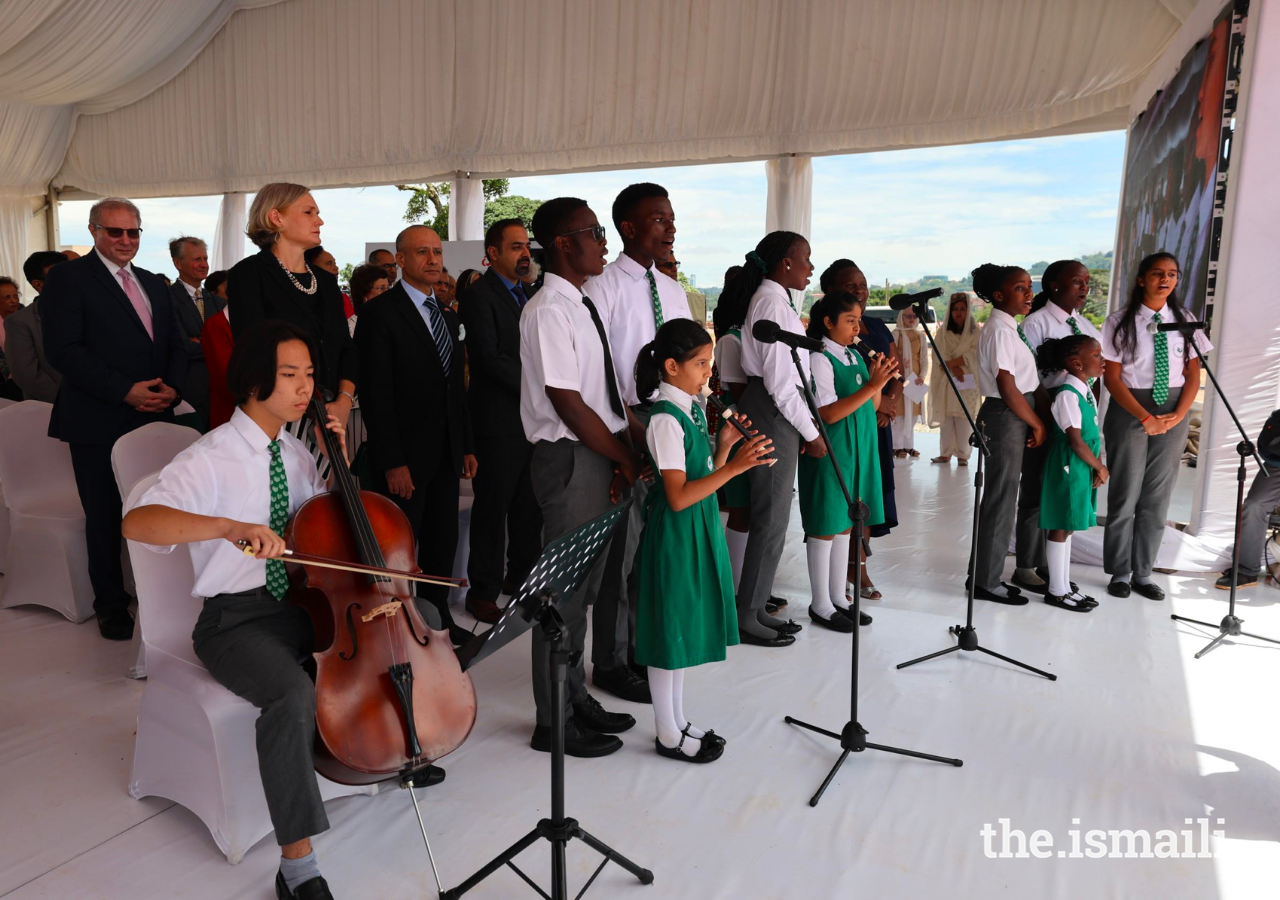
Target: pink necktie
{"points": [[134, 293]]}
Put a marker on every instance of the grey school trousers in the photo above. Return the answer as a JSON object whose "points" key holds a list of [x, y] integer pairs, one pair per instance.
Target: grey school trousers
{"points": [[571, 483], [1264, 496], [255, 645], [1007, 439], [1144, 469], [771, 497]]}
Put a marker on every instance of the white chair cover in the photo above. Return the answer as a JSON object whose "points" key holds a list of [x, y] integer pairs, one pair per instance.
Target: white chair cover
{"points": [[4, 510], [135, 455], [195, 741], [48, 564]]}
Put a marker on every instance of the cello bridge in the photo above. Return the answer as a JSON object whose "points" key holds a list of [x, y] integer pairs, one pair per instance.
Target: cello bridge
{"points": [[386, 609]]}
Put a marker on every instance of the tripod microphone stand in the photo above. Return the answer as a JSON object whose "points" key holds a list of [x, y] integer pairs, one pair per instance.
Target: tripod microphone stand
{"points": [[853, 737], [1230, 624], [966, 634]]}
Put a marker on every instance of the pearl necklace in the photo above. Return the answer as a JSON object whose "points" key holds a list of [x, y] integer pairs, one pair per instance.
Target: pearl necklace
{"points": [[298, 284]]}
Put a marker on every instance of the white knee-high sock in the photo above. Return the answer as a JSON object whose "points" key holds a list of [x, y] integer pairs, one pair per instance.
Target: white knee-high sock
{"points": [[819, 553], [677, 702], [1059, 565], [666, 695], [737, 541], [839, 570]]}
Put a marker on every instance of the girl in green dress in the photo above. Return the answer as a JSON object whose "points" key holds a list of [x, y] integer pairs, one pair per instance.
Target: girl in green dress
{"points": [[848, 395], [685, 609], [1072, 470]]}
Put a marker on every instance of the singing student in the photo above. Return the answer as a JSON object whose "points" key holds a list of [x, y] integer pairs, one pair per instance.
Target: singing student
{"points": [[1145, 429], [685, 614], [241, 482], [848, 395], [777, 266], [1073, 471], [1055, 313], [1008, 379], [730, 380]]}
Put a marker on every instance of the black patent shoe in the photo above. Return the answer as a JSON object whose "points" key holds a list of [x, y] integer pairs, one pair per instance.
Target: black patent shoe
{"points": [[838, 621], [1068, 603], [707, 735], [710, 751], [778, 640], [314, 889], [1151, 591], [788, 627], [1014, 598], [863, 618], [594, 716]]}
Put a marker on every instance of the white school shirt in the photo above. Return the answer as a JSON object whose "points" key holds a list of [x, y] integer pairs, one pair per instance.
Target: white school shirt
{"points": [[227, 473], [1066, 405], [1050, 321], [560, 348], [115, 275], [824, 374], [1139, 370], [999, 347], [665, 437], [621, 294], [772, 362], [728, 359]]}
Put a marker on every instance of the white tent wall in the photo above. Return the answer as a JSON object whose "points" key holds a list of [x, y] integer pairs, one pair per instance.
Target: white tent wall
{"points": [[466, 210]]}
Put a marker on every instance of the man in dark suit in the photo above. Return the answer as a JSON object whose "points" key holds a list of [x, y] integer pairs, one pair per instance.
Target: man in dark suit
{"points": [[24, 336], [110, 329], [193, 305], [415, 408], [505, 508]]}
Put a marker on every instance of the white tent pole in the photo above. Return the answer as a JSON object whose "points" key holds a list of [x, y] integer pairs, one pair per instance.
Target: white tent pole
{"points": [[228, 235], [466, 209], [789, 206]]}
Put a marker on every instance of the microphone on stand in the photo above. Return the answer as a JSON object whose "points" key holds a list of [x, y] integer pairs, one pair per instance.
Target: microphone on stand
{"points": [[874, 354], [903, 301], [767, 331], [1188, 326]]}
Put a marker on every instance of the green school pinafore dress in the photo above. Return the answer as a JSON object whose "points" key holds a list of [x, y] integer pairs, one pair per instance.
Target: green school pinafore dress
{"points": [[685, 610], [1068, 499], [822, 506]]}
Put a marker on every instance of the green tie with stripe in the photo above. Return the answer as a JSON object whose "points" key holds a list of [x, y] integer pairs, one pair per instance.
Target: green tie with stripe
{"points": [[653, 295], [1160, 386], [1022, 334], [277, 580], [1075, 329]]}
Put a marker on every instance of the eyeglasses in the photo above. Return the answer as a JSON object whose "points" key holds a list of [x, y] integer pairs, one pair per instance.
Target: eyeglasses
{"points": [[669, 264], [117, 233], [597, 232]]}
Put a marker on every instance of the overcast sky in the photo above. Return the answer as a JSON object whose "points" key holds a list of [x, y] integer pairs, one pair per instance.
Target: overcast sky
{"points": [[899, 214]]}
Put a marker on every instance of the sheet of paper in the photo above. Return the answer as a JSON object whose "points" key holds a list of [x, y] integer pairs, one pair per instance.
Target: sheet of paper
{"points": [[915, 392], [966, 383]]}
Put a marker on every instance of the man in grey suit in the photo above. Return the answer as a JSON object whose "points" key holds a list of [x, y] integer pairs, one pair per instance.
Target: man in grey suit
{"points": [[24, 340], [193, 306]]}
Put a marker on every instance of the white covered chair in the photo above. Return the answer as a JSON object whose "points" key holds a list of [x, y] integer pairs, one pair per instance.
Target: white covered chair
{"points": [[4, 510], [48, 563], [195, 740], [136, 455]]}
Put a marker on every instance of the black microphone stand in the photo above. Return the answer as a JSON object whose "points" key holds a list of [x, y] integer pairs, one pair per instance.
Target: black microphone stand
{"points": [[853, 737], [1230, 624], [966, 634]]}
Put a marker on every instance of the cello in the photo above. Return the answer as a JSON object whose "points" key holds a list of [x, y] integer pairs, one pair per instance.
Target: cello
{"points": [[391, 697]]}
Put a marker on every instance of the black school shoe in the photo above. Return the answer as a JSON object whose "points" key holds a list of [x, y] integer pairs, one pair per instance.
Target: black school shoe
{"points": [[1069, 603], [1242, 581], [1119, 589], [591, 714], [778, 640], [1015, 597], [1042, 588], [710, 751], [837, 622], [622, 682], [1151, 591], [578, 741], [314, 889], [863, 619], [708, 735], [116, 625]]}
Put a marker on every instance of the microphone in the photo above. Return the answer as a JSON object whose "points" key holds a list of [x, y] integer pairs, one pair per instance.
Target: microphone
{"points": [[1188, 326], [902, 301], [767, 331], [874, 354]]}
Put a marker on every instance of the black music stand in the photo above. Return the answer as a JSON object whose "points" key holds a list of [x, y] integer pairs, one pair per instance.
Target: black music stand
{"points": [[852, 737], [565, 562]]}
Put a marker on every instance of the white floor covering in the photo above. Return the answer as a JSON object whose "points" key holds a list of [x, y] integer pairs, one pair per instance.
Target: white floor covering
{"points": [[1135, 734]]}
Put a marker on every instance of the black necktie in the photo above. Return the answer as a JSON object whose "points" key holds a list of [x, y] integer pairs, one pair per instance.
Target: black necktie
{"points": [[615, 399], [517, 291]]}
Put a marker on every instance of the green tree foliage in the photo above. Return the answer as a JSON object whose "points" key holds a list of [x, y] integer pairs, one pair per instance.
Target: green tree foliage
{"points": [[429, 204], [344, 274]]}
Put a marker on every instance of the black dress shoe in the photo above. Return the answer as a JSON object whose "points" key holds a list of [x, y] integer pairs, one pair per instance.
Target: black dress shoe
{"points": [[116, 625], [787, 627], [622, 682], [1014, 597], [315, 889], [780, 640], [428, 776], [1242, 581], [709, 751], [708, 735], [1119, 589], [483, 609], [778, 601], [1151, 590], [770, 608], [838, 621], [863, 618], [591, 714], [578, 741]]}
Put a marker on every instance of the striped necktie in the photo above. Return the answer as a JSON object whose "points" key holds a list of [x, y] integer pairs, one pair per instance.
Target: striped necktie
{"points": [[277, 580], [1160, 386], [1075, 329], [198, 297], [653, 296], [440, 334], [1022, 334]]}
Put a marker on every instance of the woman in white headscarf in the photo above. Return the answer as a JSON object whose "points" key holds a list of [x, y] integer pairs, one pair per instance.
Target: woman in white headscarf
{"points": [[957, 340], [914, 352]]}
